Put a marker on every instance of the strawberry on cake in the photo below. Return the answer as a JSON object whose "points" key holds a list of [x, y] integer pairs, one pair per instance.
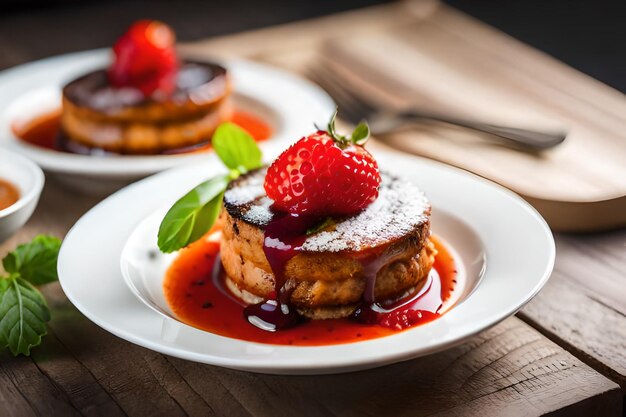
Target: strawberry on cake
{"points": [[322, 231]]}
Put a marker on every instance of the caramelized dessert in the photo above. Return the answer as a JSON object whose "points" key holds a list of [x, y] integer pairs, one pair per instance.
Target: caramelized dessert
{"points": [[386, 243], [317, 248], [148, 101]]}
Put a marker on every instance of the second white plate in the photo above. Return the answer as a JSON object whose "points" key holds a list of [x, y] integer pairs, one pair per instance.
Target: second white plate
{"points": [[289, 103]]}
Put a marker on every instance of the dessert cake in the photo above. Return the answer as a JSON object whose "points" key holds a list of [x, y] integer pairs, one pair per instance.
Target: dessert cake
{"points": [[328, 277], [122, 120], [319, 236], [147, 101]]}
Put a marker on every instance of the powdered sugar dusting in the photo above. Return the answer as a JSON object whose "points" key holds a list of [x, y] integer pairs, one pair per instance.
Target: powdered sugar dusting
{"points": [[399, 209], [249, 188], [260, 214]]}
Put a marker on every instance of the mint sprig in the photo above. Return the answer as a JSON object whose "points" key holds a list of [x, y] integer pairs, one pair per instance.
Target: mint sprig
{"points": [[328, 221], [35, 261], [195, 213], [23, 310], [236, 148], [23, 315]]}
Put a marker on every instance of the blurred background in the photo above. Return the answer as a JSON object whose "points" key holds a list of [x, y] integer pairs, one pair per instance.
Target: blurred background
{"points": [[588, 35]]}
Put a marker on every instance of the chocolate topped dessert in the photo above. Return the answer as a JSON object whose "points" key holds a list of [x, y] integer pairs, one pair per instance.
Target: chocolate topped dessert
{"points": [[147, 102]]}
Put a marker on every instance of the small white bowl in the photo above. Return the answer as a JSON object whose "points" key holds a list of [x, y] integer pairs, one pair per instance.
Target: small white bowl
{"points": [[28, 178]]}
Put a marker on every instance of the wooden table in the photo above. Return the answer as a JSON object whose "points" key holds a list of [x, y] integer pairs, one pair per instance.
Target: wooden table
{"points": [[563, 354]]}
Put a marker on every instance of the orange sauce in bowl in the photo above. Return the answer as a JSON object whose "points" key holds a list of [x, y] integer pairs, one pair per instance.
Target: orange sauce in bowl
{"points": [[8, 194], [44, 131], [195, 290]]}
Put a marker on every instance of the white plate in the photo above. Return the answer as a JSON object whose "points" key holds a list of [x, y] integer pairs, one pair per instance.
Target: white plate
{"points": [[493, 231], [289, 103]]}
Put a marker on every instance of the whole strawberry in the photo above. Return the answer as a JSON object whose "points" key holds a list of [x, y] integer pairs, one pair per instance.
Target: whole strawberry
{"points": [[325, 174], [145, 58]]}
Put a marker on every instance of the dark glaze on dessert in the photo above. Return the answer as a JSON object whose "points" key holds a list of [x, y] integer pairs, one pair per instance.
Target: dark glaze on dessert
{"points": [[420, 306], [8, 194], [196, 81], [44, 131], [195, 291], [283, 238]]}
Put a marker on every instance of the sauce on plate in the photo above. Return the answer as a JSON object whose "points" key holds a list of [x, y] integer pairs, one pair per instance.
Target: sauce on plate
{"points": [[45, 132], [8, 194], [195, 290]]}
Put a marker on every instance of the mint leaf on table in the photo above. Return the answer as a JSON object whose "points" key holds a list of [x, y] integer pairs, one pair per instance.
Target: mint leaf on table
{"points": [[36, 262], [23, 310], [236, 148], [23, 315], [195, 213]]}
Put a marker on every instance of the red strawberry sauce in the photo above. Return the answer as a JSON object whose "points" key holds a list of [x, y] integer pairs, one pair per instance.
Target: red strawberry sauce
{"points": [[195, 290], [44, 131]]}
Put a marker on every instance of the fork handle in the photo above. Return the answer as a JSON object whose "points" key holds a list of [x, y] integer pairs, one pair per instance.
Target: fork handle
{"points": [[520, 137]]}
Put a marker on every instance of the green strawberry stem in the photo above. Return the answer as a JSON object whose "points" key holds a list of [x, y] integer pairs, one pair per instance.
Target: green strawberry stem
{"points": [[359, 135]]}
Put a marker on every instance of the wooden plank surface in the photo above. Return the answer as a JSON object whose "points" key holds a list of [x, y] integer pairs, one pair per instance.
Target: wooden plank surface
{"points": [[511, 369], [81, 369], [583, 306]]}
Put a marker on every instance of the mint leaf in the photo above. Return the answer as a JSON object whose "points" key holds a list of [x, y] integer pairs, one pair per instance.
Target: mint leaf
{"points": [[360, 134], [23, 310], [23, 315], [193, 215], [36, 262], [320, 226], [236, 148], [206, 217]]}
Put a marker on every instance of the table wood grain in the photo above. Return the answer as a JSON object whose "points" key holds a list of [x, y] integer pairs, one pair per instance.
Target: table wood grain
{"points": [[80, 369], [564, 354]]}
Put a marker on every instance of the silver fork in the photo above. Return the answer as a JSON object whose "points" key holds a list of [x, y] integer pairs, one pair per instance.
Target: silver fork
{"points": [[355, 106]]}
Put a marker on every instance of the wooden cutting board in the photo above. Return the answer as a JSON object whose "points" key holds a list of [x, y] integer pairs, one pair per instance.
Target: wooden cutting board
{"points": [[429, 55]]}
